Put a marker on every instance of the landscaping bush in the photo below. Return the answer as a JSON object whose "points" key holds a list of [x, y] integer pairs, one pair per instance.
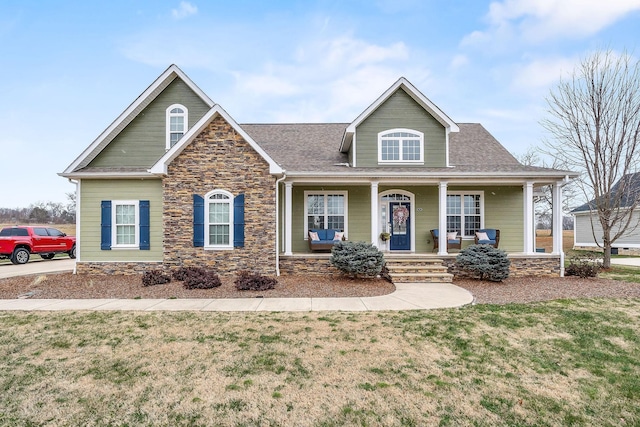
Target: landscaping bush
{"points": [[357, 259], [197, 278], [587, 265], [484, 262], [247, 281], [154, 277]]}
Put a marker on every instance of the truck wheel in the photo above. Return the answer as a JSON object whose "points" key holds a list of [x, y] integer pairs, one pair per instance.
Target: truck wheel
{"points": [[20, 256], [47, 256], [72, 252]]}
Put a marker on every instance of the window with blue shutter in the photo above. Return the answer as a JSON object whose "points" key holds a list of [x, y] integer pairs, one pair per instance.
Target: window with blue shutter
{"points": [[238, 221], [105, 225], [198, 221]]}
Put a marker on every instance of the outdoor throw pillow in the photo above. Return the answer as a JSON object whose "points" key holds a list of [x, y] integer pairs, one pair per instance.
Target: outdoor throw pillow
{"points": [[314, 236], [452, 236], [338, 236], [482, 235]]}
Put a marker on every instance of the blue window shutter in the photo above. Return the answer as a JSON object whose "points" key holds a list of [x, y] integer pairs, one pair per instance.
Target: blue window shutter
{"points": [[105, 226], [238, 221], [198, 221], [145, 244]]}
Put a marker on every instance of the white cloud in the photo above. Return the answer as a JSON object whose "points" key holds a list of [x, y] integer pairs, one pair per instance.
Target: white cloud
{"points": [[541, 73], [459, 61], [536, 21], [184, 10]]}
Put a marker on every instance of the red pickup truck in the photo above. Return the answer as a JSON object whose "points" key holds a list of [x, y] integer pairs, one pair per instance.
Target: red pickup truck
{"points": [[18, 243]]}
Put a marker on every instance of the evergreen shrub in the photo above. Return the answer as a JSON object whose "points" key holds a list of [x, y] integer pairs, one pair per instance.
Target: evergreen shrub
{"points": [[484, 262], [357, 259]]}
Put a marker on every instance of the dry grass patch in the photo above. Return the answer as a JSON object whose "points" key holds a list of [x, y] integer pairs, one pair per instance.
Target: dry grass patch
{"points": [[555, 363]]}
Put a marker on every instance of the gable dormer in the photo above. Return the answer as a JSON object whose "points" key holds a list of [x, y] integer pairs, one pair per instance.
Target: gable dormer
{"points": [[401, 128]]}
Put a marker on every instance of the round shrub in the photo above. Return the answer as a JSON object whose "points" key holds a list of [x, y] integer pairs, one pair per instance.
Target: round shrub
{"points": [[197, 278], [247, 281], [484, 262], [357, 259], [154, 277]]}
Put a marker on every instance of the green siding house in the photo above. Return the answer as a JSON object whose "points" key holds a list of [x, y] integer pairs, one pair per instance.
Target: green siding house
{"points": [[174, 180]]}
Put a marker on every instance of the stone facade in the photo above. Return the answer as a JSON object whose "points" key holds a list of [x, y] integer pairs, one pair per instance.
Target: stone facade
{"points": [[116, 268], [307, 265], [522, 266], [220, 159]]}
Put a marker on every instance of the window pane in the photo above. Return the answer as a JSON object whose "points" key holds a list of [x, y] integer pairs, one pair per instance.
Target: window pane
{"points": [[410, 150], [177, 111], [315, 221], [219, 213], [176, 124], [219, 234], [335, 204], [391, 149], [125, 214], [315, 204], [125, 234], [336, 222]]}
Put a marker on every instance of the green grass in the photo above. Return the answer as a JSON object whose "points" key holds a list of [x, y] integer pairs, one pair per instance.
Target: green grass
{"points": [[566, 362], [622, 273]]}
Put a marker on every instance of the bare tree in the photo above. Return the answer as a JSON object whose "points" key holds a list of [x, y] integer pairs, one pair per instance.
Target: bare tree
{"points": [[544, 195], [594, 120]]}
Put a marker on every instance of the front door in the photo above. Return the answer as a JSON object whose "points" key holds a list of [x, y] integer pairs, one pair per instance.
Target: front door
{"points": [[400, 226]]}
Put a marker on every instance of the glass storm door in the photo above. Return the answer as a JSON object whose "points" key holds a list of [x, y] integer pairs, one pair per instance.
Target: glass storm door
{"points": [[400, 226]]}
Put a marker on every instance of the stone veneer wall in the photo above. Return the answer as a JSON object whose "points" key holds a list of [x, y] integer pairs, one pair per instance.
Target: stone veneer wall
{"points": [[308, 266], [219, 158], [121, 268], [521, 266]]}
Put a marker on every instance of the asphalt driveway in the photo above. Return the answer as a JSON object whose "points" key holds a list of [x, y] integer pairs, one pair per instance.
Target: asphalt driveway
{"points": [[35, 266]]}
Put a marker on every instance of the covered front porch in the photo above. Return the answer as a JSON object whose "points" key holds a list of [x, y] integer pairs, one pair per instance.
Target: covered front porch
{"points": [[407, 211]]}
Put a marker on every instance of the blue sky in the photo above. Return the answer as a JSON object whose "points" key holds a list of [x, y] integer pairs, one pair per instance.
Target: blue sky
{"points": [[70, 68]]}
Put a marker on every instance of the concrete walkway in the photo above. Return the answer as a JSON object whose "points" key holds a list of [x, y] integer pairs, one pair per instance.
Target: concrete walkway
{"points": [[407, 296]]}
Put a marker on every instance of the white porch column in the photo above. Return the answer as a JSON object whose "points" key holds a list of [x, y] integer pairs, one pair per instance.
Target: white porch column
{"points": [[557, 217], [288, 215], [442, 218], [529, 221], [375, 229]]}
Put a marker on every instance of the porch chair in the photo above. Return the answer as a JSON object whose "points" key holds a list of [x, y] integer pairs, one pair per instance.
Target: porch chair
{"points": [[452, 243], [487, 236]]}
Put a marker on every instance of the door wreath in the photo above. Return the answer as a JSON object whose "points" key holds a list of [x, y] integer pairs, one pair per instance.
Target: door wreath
{"points": [[400, 215]]}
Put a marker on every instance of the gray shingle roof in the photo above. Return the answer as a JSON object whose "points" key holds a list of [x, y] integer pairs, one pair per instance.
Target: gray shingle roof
{"points": [[309, 148], [629, 184]]}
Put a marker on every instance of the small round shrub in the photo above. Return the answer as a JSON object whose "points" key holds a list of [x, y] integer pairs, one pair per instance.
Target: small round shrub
{"points": [[484, 262], [587, 265], [247, 281], [154, 277], [357, 259], [197, 278]]}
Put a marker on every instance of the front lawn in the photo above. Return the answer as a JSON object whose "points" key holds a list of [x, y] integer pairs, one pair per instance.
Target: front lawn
{"points": [[567, 362]]}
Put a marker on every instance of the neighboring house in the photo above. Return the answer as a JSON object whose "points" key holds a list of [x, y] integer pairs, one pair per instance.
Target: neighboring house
{"points": [[628, 190], [174, 180]]}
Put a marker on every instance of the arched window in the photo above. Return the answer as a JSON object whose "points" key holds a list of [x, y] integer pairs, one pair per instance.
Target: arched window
{"points": [[177, 123], [218, 216], [400, 146]]}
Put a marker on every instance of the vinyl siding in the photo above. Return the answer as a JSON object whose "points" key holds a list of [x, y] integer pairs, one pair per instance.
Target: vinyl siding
{"points": [[358, 212], [503, 209], [400, 111], [143, 141], [584, 235], [93, 192]]}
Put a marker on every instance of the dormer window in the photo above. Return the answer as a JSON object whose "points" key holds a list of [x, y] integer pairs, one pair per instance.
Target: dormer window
{"points": [[397, 146], [177, 122]]}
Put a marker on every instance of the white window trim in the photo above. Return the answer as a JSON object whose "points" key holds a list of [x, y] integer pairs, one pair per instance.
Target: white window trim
{"points": [[420, 161], [114, 225], [168, 121], [469, 193], [207, 245], [325, 194]]}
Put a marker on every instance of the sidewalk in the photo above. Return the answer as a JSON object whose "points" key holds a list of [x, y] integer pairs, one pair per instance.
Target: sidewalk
{"points": [[407, 296]]}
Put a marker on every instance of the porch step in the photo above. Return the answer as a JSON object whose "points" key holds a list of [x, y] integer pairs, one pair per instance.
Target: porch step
{"points": [[412, 270]]}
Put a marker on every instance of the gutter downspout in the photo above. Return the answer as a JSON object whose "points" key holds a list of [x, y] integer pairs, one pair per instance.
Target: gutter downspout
{"points": [[77, 184], [565, 181], [278, 181]]}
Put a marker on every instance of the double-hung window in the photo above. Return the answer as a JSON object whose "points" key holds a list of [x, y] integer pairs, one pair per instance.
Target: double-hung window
{"points": [[325, 210], [464, 213], [125, 223], [219, 220], [177, 123], [401, 146]]}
